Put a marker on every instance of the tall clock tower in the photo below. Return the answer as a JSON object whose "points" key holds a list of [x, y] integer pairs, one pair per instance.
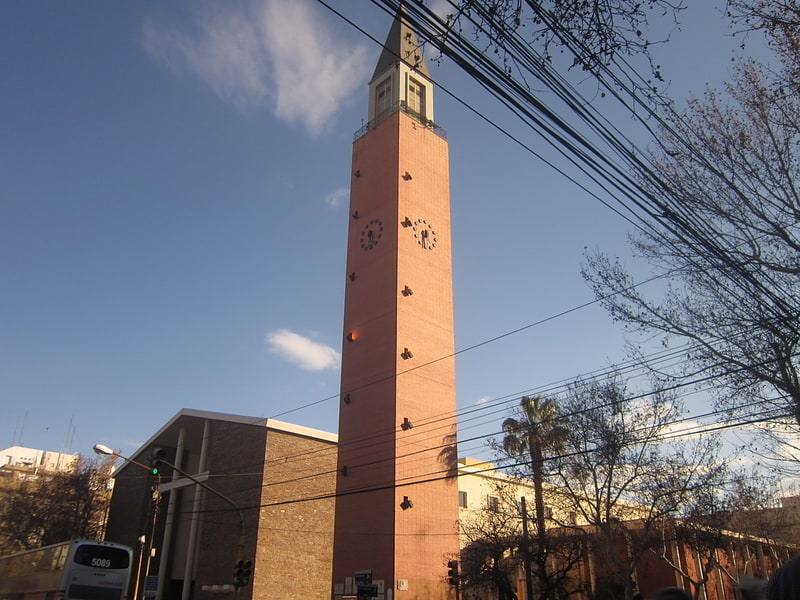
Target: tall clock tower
{"points": [[397, 494]]}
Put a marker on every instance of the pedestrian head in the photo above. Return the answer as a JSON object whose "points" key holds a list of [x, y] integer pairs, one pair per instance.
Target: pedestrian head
{"points": [[671, 593], [785, 582]]}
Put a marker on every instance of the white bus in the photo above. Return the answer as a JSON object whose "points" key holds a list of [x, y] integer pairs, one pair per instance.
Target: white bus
{"points": [[76, 570]]}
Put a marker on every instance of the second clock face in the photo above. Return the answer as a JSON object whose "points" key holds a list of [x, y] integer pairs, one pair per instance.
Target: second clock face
{"points": [[425, 234], [371, 234]]}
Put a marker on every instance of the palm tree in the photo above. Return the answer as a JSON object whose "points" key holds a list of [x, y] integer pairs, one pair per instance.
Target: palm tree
{"points": [[534, 431]]}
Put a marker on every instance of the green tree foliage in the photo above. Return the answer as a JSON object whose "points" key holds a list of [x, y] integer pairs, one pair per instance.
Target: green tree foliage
{"points": [[47, 508], [533, 432]]}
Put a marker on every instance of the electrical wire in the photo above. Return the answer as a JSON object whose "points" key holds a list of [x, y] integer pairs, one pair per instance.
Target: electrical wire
{"points": [[697, 237]]}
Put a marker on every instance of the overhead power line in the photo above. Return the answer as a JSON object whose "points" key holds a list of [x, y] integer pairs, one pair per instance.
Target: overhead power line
{"points": [[486, 468], [582, 152]]}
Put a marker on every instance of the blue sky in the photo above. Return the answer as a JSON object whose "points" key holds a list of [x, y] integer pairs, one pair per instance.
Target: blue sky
{"points": [[173, 217]]}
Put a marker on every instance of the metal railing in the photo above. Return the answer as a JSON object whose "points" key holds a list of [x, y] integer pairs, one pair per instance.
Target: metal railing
{"points": [[401, 106]]}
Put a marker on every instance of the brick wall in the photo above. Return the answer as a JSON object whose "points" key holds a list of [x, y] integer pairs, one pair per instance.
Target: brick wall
{"points": [[235, 465], [295, 537]]}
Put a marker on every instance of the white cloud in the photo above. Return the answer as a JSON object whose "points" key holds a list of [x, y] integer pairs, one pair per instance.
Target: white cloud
{"points": [[441, 8], [302, 351], [484, 400], [226, 53], [685, 428], [337, 198], [314, 71], [269, 53]]}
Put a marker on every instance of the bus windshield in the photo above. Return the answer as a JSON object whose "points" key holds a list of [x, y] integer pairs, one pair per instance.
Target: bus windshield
{"points": [[104, 557]]}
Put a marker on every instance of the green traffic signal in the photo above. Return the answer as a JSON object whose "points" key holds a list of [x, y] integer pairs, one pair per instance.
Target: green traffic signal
{"points": [[241, 572], [156, 455]]}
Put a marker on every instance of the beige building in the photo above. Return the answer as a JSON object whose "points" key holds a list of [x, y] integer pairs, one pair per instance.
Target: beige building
{"points": [[482, 486], [22, 462]]}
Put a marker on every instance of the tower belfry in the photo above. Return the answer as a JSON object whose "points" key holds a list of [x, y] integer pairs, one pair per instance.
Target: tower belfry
{"points": [[397, 495]]}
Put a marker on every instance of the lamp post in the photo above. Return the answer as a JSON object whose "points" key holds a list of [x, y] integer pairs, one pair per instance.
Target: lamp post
{"points": [[101, 449], [240, 545], [142, 541], [106, 451]]}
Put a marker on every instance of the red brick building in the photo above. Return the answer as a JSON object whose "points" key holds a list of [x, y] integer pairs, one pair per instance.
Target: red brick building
{"points": [[739, 560]]}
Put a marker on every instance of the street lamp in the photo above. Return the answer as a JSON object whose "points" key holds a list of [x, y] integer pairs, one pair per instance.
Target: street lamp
{"points": [[104, 450], [240, 546]]}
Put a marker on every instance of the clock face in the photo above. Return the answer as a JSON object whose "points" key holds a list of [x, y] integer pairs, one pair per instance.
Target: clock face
{"points": [[425, 234], [371, 234]]}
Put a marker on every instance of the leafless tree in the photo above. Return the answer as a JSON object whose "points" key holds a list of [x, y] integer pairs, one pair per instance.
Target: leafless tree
{"points": [[731, 162], [591, 33], [495, 553], [623, 474], [487, 558], [706, 523], [50, 507]]}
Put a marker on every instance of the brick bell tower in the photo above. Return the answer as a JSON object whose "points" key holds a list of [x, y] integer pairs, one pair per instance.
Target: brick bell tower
{"points": [[397, 493]]}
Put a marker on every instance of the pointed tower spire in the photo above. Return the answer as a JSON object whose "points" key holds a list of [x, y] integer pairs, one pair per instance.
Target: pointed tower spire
{"points": [[401, 45], [401, 80]]}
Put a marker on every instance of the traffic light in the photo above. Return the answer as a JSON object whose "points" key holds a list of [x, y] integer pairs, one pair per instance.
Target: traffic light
{"points": [[241, 572], [248, 565], [452, 572], [156, 455]]}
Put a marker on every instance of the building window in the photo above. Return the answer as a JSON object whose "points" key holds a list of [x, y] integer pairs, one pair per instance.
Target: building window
{"points": [[383, 96], [492, 503], [462, 499], [416, 97]]}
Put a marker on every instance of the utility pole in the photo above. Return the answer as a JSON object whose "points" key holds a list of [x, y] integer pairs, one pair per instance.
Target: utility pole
{"points": [[240, 545], [526, 554]]}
